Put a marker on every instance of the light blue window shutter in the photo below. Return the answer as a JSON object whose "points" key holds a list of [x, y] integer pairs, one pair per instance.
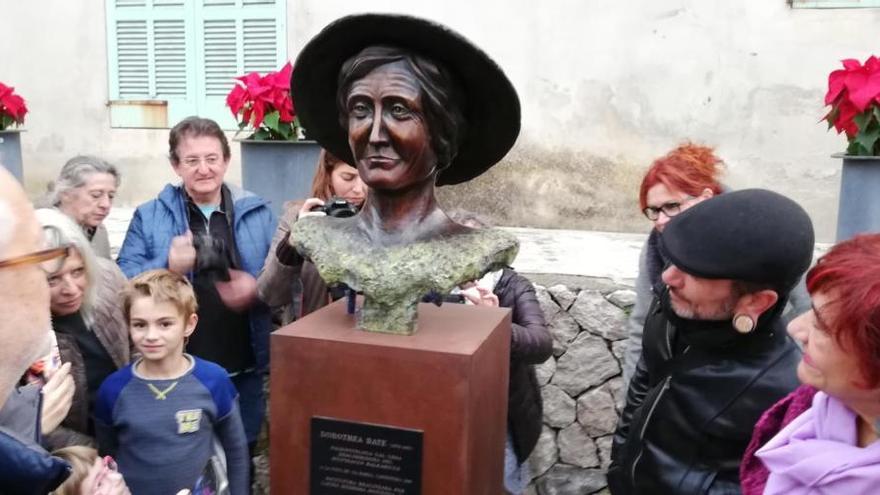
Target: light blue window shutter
{"points": [[834, 4], [239, 36], [151, 50]]}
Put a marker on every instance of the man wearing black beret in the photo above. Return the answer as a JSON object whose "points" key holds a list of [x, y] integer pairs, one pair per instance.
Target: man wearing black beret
{"points": [[715, 351]]}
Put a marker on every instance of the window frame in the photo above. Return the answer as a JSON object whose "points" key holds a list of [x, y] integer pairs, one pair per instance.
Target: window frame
{"points": [[154, 111]]}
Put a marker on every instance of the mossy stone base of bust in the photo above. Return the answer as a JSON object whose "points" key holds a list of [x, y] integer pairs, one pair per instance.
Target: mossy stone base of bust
{"points": [[394, 279]]}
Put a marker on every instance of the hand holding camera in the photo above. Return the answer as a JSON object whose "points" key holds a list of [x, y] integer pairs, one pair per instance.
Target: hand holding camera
{"points": [[334, 207]]}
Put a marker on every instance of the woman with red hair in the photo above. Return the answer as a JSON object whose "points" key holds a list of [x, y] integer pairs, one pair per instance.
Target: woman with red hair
{"points": [[822, 438], [674, 182], [284, 266]]}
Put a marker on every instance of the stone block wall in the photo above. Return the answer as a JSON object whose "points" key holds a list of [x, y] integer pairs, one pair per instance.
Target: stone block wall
{"points": [[582, 388]]}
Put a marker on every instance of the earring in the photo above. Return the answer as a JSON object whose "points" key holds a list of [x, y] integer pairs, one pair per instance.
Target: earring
{"points": [[743, 324]]}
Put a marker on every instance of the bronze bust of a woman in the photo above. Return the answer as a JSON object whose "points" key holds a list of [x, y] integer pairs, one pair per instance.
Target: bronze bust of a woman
{"points": [[412, 105]]}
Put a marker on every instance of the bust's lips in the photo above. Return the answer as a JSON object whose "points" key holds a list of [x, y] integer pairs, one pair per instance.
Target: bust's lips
{"points": [[381, 161]]}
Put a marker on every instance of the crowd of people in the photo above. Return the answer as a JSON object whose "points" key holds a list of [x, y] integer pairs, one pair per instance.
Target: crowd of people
{"points": [[146, 374], [721, 399]]}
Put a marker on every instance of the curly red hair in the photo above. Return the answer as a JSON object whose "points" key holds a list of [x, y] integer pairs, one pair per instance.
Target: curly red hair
{"points": [[850, 274], [689, 168]]}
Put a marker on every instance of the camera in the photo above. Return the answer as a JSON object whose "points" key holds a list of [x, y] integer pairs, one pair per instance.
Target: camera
{"points": [[337, 207], [211, 257]]}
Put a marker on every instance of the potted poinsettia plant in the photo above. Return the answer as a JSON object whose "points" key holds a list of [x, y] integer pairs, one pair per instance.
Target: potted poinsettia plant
{"points": [[854, 97], [12, 112], [263, 103], [12, 108], [276, 163]]}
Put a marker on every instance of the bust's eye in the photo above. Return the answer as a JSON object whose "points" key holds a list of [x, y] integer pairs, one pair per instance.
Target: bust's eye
{"points": [[359, 109], [399, 110]]}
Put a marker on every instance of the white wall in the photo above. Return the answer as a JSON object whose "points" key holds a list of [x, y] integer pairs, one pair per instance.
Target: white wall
{"points": [[606, 86]]}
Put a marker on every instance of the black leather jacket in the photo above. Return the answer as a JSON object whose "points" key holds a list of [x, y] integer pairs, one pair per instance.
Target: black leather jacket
{"points": [[692, 405]]}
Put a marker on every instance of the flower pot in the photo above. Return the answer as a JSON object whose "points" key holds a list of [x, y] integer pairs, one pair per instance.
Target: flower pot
{"points": [[10, 152], [859, 209], [279, 171]]}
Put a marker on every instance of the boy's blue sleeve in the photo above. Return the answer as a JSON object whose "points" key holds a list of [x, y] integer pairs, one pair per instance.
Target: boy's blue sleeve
{"points": [[217, 381], [230, 432], [105, 403]]}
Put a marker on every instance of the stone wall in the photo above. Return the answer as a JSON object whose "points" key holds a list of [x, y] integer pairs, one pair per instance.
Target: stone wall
{"points": [[581, 386]]}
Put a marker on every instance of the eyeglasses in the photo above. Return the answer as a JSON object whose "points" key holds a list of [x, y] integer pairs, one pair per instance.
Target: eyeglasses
{"points": [[195, 161], [670, 209], [56, 255]]}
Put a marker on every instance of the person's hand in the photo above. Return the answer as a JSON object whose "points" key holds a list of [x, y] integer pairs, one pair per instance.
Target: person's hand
{"points": [[57, 399], [240, 292], [480, 296], [182, 254], [306, 210], [101, 480]]}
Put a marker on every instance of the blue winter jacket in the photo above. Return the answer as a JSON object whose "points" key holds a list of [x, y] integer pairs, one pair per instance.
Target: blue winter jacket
{"points": [[25, 468], [158, 221]]}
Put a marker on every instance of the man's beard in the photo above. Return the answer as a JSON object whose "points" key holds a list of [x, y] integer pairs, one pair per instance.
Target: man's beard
{"points": [[722, 311]]}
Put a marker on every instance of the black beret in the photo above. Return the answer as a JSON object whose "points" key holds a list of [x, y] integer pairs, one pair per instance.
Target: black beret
{"points": [[753, 235]]}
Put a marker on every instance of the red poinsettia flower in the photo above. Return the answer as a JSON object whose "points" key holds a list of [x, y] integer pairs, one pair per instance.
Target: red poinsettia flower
{"points": [[255, 98], [854, 97], [12, 107]]}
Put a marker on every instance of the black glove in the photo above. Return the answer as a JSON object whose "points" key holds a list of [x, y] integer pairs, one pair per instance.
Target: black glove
{"points": [[286, 253]]}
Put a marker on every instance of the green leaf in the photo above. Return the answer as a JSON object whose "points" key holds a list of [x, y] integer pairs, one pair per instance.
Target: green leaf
{"points": [[284, 131], [854, 148], [832, 116], [261, 135], [863, 119], [869, 134], [877, 112], [271, 120]]}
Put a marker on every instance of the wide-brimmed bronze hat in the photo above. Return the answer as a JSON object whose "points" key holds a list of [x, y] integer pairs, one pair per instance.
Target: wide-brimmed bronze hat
{"points": [[491, 108]]}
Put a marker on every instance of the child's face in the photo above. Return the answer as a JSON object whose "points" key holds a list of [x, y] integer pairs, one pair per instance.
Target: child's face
{"points": [[158, 329]]}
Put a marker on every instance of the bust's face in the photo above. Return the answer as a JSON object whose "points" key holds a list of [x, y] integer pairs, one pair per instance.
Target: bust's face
{"points": [[387, 130]]}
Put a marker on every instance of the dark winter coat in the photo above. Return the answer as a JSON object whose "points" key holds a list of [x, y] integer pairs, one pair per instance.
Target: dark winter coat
{"points": [[530, 344], [25, 468], [691, 407]]}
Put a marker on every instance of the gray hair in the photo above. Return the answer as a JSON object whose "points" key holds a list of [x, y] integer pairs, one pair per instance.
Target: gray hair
{"points": [[73, 234], [74, 174]]}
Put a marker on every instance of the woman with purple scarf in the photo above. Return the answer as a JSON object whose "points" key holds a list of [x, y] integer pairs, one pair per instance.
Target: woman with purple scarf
{"points": [[822, 438]]}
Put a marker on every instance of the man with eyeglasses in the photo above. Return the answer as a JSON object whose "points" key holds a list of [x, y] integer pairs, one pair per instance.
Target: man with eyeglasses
{"points": [[218, 235], [25, 468]]}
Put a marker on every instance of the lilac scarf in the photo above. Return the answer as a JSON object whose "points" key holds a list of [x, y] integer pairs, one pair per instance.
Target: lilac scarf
{"points": [[817, 453]]}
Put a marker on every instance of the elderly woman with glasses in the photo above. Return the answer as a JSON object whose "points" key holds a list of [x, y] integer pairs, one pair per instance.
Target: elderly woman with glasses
{"points": [[682, 178], [823, 437], [84, 191], [87, 320]]}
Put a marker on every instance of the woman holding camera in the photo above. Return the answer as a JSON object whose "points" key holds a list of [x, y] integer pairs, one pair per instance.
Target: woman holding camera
{"points": [[284, 267]]}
